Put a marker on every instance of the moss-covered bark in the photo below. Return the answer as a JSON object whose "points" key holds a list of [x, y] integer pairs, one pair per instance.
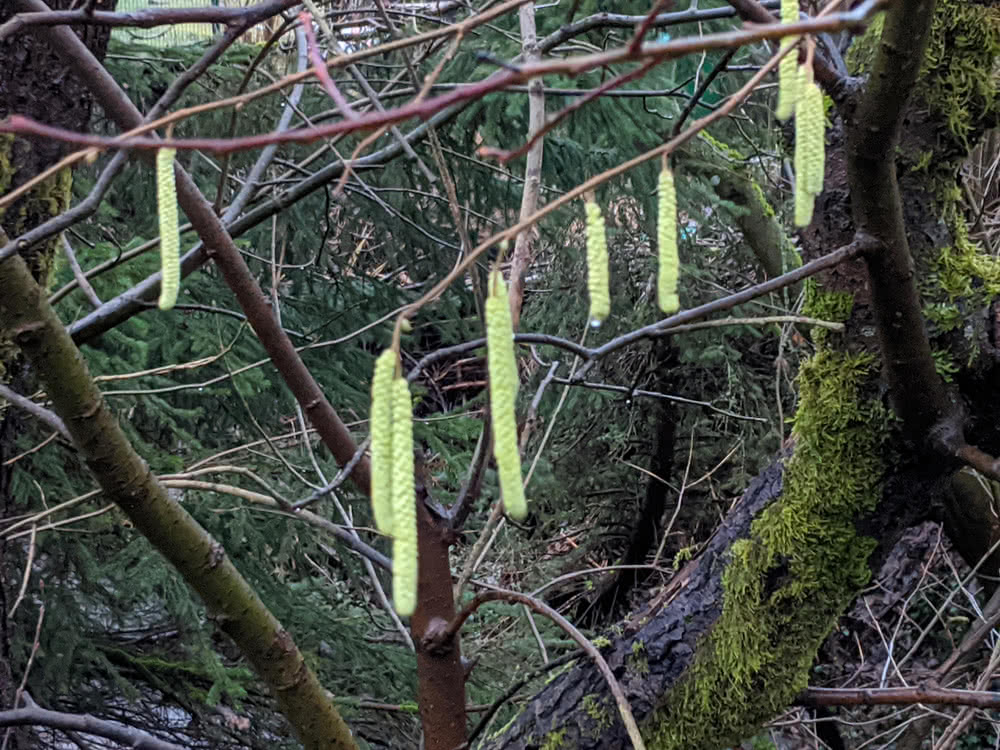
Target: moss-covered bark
{"points": [[732, 641], [802, 564]]}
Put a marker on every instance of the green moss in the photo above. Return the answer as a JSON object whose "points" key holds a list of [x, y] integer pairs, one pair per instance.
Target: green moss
{"points": [[963, 270], [803, 562], [554, 740], [683, 555], [944, 364], [601, 642], [48, 198], [944, 315], [724, 148], [835, 307], [598, 712], [758, 191], [862, 50], [6, 168], [923, 161], [637, 662], [957, 79]]}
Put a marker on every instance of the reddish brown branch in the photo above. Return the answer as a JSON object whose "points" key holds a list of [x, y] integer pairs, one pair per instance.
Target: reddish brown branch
{"points": [[440, 674], [321, 71], [504, 156], [425, 108], [647, 23], [142, 19], [898, 696]]}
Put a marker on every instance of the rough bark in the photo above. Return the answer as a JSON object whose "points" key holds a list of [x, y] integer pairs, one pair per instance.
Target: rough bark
{"points": [[33, 81], [29, 320]]}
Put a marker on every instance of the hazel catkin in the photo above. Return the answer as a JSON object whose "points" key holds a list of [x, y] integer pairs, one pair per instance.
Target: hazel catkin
{"points": [[666, 240], [597, 265], [503, 392], [815, 127], [803, 143], [788, 90], [170, 241], [404, 509], [380, 428]]}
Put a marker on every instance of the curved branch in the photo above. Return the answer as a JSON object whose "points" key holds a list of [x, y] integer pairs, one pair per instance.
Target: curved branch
{"points": [[33, 326], [589, 649], [35, 715]]}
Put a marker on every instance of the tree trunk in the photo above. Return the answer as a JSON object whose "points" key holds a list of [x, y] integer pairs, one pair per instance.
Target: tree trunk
{"points": [[730, 642], [35, 83]]}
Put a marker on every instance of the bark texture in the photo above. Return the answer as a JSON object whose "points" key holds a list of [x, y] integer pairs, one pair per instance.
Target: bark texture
{"points": [[731, 641], [33, 81]]}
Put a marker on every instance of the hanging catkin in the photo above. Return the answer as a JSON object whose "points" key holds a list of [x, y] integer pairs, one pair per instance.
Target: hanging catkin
{"points": [[404, 509], [815, 126], [666, 239], [503, 392], [597, 266], [788, 92], [170, 241], [803, 198], [380, 428]]}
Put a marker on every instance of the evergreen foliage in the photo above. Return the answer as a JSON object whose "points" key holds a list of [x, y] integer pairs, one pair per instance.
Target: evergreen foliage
{"points": [[193, 389]]}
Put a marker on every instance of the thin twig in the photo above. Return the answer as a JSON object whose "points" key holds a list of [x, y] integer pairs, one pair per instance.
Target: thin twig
{"points": [[27, 573], [854, 19], [79, 275], [38, 412], [496, 594]]}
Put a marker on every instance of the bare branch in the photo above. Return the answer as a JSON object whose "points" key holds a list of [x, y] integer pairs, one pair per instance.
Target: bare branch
{"points": [[495, 594], [422, 109], [131, 737], [36, 410]]}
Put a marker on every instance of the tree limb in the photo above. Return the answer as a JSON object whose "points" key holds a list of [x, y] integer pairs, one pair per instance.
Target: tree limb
{"points": [[131, 737], [32, 324]]}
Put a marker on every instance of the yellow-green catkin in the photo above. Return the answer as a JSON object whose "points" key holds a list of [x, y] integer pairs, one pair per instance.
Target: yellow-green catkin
{"points": [[597, 266], [170, 240], [788, 92], [503, 393], [404, 508], [666, 239], [816, 136], [787, 83], [380, 428], [803, 198]]}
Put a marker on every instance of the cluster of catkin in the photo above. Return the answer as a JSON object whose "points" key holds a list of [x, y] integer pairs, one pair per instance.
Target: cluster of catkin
{"points": [[666, 240], [392, 488], [798, 94], [391, 427]]}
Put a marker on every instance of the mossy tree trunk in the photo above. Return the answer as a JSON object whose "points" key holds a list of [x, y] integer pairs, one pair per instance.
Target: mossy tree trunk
{"points": [[126, 479], [884, 409], [33, 82]]}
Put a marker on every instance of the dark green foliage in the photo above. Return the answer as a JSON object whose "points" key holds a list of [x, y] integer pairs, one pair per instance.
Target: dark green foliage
{"points": [[117, 617]]}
